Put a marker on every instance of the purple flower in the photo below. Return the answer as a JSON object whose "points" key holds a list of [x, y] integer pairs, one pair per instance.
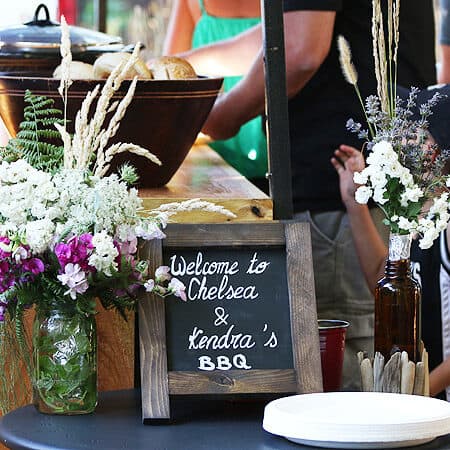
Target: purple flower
{"points": [[63, 253], [33, 265], [4, 268], [76, 251]]}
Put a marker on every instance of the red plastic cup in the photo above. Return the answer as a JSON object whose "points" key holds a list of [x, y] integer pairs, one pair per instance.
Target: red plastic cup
{"points": [[332, 346]]}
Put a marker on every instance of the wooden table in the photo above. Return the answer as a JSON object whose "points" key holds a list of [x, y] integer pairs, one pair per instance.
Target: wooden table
{"points": [[205, 175]]}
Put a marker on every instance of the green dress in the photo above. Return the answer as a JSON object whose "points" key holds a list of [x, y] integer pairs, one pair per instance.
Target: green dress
{"points": [[247, 150]]}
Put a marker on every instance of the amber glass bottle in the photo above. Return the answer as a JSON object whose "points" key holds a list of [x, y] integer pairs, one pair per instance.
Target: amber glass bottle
{"points": [[397, 304]]}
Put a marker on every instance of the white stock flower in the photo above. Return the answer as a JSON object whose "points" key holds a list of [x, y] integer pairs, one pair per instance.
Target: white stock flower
{"points": [[378, 180], [378, 195], [39, 234], [428, 238], [362, 194], [411, 195], [406, 224], [360, 177], [104, 253], [394, 169]]}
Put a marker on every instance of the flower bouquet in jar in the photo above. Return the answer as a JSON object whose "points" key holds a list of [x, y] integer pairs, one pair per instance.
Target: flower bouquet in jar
{"points": [[69, 235]]}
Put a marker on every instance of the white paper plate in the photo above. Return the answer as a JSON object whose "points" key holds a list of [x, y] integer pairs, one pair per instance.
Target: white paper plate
{"points": [[358, 419]]}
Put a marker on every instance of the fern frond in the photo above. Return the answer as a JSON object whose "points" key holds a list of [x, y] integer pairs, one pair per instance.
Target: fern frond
{"points": [[37, 141]]}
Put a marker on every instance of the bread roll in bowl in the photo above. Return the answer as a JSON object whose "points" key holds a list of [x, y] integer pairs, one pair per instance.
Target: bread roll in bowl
{"points": [[107, 62], [172, 68], [78, 71]]}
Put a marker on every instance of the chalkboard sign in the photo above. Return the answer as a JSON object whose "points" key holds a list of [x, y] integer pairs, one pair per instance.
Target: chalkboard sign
{"points": [[237, 311], [249, 324]]}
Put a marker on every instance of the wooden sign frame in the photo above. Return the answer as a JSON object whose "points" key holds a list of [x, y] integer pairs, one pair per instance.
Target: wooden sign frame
{"points": [[157, 383]]}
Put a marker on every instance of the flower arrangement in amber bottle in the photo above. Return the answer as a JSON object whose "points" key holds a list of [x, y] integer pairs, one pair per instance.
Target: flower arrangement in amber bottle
{"points": [[404, 167]]}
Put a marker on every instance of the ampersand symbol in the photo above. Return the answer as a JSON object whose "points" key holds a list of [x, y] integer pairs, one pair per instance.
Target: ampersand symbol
{"points": [[221, 316]]}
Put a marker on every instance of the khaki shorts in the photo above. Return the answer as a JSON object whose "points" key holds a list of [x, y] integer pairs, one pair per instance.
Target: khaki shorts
{"points": [[341, 289]]}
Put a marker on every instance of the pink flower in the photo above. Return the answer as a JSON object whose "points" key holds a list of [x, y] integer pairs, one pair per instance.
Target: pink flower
{"points": [[5, 247], [2, 311], [177, 288], [149, 285], [128, 247], [162, 273], [20, 253]]}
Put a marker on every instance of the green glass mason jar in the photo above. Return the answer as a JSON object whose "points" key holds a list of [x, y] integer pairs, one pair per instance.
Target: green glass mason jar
{"points": [[65, 361]]}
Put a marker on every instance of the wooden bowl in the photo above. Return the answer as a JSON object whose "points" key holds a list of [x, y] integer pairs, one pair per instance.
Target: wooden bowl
{"points": [[164, 116]]}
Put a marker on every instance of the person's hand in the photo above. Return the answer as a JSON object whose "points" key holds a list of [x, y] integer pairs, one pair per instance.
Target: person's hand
{"points": [[347, 161]]}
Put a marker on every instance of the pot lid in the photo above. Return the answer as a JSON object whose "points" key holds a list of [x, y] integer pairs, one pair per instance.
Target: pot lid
{"points": [[42, 36]]}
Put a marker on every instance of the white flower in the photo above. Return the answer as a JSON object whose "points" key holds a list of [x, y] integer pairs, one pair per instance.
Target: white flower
{"points": [[378, 195], [394, 169], [382, 155], [362, 194], [406, 177], [378, 180], [428, 237], [360, 177], [406, 224], [104, 253], [39, 234], [411, 195]]}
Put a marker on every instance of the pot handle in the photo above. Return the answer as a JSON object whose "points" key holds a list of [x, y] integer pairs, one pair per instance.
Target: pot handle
{"points": [[39, 22]]}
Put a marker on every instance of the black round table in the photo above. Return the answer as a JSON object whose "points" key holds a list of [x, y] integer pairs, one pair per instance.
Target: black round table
{"points": [[116, 424]]}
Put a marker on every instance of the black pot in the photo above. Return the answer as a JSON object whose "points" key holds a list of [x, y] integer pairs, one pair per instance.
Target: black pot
{"points": [[35, 46]]}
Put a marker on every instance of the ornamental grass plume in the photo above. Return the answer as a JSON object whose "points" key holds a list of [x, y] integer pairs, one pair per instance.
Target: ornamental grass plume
{"points": [[404, 169]]}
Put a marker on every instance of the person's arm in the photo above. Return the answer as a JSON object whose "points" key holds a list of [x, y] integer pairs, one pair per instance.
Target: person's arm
{"points": [[369, 246], [229, 57], [308, 36], [440, 377], [180, 29]]}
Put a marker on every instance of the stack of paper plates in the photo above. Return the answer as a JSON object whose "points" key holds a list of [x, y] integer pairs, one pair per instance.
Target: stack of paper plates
{"points": [[358, 419]]}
